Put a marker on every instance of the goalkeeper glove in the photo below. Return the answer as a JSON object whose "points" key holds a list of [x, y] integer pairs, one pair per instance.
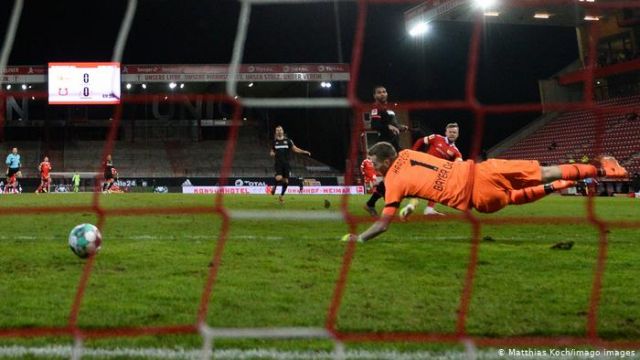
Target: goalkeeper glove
{"points": [[347, 238]]}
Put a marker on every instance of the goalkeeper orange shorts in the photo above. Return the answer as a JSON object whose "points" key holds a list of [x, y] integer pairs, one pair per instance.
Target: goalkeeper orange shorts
{"points": [[495, 178]]}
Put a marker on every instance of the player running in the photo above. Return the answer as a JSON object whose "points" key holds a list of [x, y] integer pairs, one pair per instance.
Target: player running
{"points": [[280, 150], [45, 178], [108, 174], [486, 186]]}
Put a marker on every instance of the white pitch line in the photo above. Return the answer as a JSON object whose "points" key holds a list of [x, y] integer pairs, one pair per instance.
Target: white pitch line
{"points": [[211, 236], [266, 333], [59, 351], [284, 215]]}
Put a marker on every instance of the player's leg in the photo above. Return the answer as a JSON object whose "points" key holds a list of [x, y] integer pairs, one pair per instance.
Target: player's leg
{"points": [[406, 211], [9, 175], [378, 193], [608, 166], [285, 181], [430, 209], [14, 184], [278, 179], [39, 189], [497, 183], [533, 193], [564, 176], [285, 184], [106, 175], [279, 172]]}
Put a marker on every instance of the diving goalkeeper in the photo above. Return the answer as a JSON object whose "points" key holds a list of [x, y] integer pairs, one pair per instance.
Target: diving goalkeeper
{"points": [[486, 186]]}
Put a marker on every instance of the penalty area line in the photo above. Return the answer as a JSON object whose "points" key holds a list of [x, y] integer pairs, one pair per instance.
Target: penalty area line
{"points": [[65, 351]]}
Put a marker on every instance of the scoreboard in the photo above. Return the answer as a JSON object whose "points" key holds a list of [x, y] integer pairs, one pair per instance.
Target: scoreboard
{"points": [[84, 83]]}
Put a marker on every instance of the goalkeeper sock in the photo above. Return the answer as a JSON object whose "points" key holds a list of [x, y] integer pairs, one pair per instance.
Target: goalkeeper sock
{"points": [[110, 185], [530, 194], [104, 186], [284, 188], [275, 186], [578, 171]]}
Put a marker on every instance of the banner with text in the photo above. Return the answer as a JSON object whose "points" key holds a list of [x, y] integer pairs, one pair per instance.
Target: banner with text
{"points": [[263, 190], [148, 73]]}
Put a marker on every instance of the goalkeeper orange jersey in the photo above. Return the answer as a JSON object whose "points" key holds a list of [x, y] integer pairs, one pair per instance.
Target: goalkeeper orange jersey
{"points": [[416, 174]]}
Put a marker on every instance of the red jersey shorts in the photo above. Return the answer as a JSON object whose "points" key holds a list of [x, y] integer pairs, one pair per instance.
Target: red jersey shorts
{"points": [[495, 178]]}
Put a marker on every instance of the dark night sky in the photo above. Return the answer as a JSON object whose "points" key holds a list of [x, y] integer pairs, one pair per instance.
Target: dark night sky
{"points": [[513, 58]]}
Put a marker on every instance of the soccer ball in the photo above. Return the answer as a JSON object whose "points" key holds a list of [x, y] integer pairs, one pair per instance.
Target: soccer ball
{"points": [[85, 240]]}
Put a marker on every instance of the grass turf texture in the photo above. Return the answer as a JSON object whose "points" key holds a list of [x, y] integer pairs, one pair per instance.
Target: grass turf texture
{"points": [[152, 269]]}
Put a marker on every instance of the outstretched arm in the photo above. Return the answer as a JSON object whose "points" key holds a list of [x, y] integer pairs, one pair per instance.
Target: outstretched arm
{"points": [[300, 151], [374, 230]]}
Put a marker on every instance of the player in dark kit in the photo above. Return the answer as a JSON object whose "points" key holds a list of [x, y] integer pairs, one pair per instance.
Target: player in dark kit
{"points": [[108, 174], [280, 150], [383, 120]]}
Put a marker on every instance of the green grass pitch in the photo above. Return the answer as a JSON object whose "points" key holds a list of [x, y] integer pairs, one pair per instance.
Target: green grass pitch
{"points": [[276, 273]]}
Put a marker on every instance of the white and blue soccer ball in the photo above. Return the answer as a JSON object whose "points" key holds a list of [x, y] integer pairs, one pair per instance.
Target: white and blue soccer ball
{"points": [[85, 240]]}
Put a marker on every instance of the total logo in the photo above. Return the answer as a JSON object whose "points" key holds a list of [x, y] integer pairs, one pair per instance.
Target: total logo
{"points": [[240, 182]]}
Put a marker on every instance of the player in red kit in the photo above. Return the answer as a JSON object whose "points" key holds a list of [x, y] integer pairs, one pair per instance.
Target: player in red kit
{"points": [[11, 187], [45, 177], [369, 174], [443, 147]]}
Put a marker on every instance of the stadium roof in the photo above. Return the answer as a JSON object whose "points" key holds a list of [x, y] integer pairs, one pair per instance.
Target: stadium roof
{"points": [[546, 13]]}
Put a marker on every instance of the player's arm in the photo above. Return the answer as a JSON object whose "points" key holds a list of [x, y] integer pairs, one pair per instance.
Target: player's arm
{"points": [[376, 229], [399, 127], [427, 139], [458, 155], [297, 150], [418, 144], [392, 202], [391, 123]]}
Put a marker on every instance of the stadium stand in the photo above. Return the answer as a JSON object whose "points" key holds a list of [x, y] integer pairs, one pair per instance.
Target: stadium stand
{"points": [[572, 135], [171, 158]]}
